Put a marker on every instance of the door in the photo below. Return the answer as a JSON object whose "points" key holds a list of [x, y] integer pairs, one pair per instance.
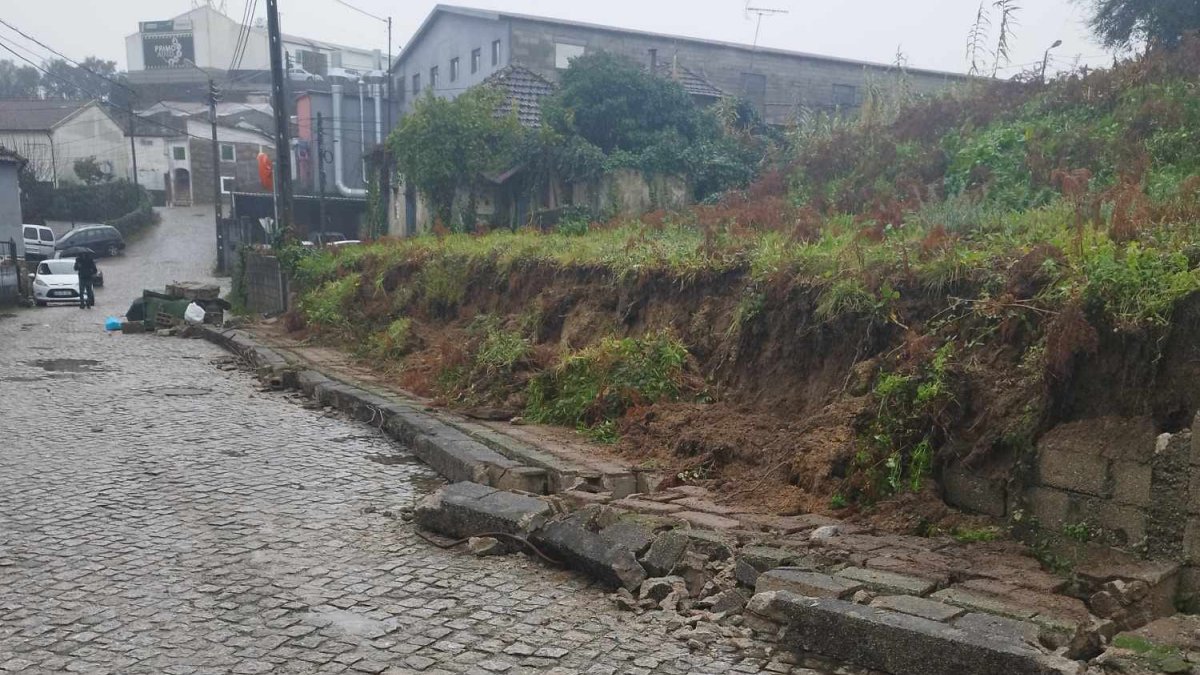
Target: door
{"points": [[182, 187]]}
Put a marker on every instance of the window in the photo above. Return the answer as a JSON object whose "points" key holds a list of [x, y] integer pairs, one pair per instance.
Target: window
{"points": [[179, 152], [145, 141], [29, 233], [754, 89], [433, 77], [564, 52], [845, 95], [416, 84], [227, 184], [227, 152], [45, 234], [476, 60], [454, 69], [496, 53]]}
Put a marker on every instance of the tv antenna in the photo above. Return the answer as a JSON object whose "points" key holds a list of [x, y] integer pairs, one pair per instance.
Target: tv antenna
{"points": [[761, 12], [218, 5]]}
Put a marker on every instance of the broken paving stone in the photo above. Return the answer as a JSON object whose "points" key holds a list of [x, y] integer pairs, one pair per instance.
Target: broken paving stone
{"points": [[888, 582], [709, 521], [825, 532], [485, 546], [659, 588], [926, 609], [710, 544], [519, 649], [733, 600], [1010, 629], [805, 583], [982, 603]]}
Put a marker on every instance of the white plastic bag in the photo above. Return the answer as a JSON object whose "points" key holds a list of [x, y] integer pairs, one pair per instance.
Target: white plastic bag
{"points": [[194, 314]]}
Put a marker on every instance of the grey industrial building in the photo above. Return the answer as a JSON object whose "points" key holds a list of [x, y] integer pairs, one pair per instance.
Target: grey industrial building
{"points": [[457, 48]]}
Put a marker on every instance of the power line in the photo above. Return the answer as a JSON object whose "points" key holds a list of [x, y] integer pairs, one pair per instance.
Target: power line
{"points": [[67, 58]]}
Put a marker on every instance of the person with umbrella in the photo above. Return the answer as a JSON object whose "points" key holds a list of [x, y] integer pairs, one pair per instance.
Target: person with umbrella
{"points": [[86, 267]]}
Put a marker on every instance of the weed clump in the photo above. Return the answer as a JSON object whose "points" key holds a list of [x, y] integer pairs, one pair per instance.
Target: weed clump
{"points": [[594, 386]]}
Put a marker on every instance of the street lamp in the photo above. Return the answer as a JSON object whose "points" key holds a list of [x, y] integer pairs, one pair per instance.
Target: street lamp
{"points": [[1046, 58]]}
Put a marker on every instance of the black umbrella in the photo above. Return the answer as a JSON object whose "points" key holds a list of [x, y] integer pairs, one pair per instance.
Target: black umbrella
{"points": [[76, 251]]}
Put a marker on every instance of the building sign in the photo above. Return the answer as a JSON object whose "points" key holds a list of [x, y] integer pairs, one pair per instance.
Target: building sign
{"points": [[168, 50], [157, 26]]}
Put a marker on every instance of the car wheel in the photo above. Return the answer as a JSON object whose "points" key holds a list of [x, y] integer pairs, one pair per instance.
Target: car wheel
{"points": [[40, 303], [113, 250]]}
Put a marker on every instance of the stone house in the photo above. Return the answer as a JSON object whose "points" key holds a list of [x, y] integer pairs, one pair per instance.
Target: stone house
{"points": [[457, 48]]}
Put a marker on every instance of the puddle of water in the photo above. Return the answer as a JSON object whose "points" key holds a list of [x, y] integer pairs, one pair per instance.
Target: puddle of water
{"points": [[393, 460], [347, 622], [183, 391], [66, 365]]}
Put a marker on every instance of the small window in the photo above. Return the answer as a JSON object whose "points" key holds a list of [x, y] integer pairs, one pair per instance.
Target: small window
{"points": [[29, 233], [227, 152], [146, 141], [179, 152], [563, 53], [454, 69], [433, 77], [476, 60], [45, 235], [227, 184], [496, 53], [845, 95], [416, 84]]}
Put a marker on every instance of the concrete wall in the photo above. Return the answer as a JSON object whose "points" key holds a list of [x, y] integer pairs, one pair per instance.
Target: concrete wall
{"points": [[266, 285], [10, 208], [451, 36], [791, 80]]}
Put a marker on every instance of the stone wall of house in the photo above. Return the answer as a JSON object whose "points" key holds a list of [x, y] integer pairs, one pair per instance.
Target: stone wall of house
{"points": [[244, 169], [1109, 482], [777, 82]]}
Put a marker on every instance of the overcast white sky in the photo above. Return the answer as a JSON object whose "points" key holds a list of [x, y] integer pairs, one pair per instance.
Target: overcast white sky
{"points": [[932, 33]]}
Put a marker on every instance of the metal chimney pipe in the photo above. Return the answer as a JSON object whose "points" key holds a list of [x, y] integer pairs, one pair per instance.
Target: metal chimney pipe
{"points": [[377, 92], [338, 181]]}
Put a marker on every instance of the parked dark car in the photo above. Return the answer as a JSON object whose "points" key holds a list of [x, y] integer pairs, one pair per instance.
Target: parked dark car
{"points": [[105, 240]]}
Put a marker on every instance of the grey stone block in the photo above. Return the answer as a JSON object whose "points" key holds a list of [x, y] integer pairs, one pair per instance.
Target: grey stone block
{"points": [[926, 609], [665, 553], [888, 582], [805, 583], [586, 550], [981, 603], [468, 509], [1087, 474], [898, 643], [1002, 627], [974, 492], [708, 543], [630, 535]]}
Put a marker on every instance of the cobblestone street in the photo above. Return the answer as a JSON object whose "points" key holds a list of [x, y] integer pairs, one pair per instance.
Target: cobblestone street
{"points": [[161, 515]]}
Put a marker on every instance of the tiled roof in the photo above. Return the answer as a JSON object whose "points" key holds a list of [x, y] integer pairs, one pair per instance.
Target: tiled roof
{"points": [[692, 83], [36, 115], [524, 90]]}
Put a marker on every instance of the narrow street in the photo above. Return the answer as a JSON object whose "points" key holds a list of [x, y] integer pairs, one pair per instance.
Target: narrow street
{"points": [[161, 515]]}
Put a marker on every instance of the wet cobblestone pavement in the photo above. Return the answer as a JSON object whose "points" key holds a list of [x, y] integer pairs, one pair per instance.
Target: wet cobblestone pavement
{"points": [[160, 515]]}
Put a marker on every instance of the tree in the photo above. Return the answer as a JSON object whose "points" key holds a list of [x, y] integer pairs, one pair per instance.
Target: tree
{"points": [[18, 82], [90, 171], [92, 78], [444, 146], [1122, 23], [615, 105]]}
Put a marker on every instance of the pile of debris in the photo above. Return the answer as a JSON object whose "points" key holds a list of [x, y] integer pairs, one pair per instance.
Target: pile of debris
{"points": [[723, 589], [166, 313]]}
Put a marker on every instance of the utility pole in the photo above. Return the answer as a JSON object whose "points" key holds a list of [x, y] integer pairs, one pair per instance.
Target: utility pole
{"points": [[283, 159], [320, 178], [216, 165], [132, 144]]}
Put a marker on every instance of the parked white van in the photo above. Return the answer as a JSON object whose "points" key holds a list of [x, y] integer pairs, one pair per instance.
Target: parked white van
{"points": [[39, 241]]}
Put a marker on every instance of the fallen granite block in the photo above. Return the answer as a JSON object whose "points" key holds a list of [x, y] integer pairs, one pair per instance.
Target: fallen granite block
{"points": [[629, 534], [572, 542], [466, 510], [665, 553], [804, 583], [899, 643], [926, 609]]}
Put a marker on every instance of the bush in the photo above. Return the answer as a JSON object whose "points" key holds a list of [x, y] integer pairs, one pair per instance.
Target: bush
{"points": [[599, 383], [136, 220], [96, 203]]}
